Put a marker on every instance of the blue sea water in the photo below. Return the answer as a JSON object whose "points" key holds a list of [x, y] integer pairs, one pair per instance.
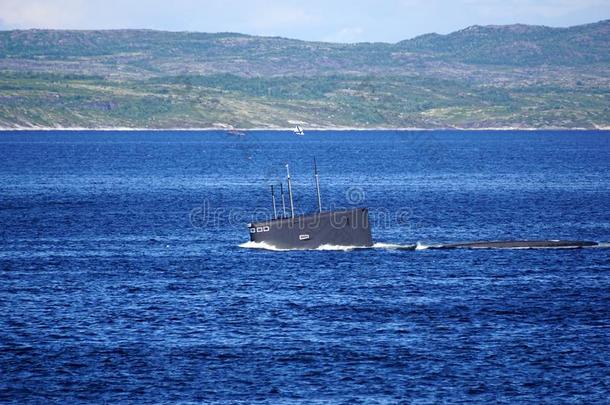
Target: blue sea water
{"points": [[123, 279]]}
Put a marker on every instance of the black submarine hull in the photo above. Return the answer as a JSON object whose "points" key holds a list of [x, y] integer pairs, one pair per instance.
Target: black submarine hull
{"points": [[336, 228], [522, 244]]}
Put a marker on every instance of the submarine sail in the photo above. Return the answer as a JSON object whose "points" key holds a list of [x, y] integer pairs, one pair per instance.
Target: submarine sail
{"points": [[349, 227]]}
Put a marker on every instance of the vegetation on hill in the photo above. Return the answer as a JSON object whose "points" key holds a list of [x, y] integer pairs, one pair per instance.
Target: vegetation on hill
{"points": [[494, 76]]}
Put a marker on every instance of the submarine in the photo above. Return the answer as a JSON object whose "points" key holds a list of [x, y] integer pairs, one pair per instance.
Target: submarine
{"points": [[351, 228], [519, 244], [346, 227]]}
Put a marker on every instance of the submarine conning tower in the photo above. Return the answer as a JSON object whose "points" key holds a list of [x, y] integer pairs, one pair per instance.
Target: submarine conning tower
{"points": [[346, 227]]}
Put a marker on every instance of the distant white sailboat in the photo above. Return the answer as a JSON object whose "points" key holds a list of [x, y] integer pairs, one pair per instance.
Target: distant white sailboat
{"points": [[298, 130]]}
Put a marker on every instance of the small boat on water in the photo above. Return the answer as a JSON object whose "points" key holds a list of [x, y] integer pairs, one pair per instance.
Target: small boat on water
{"points": [[298, 131], [235, 132]]}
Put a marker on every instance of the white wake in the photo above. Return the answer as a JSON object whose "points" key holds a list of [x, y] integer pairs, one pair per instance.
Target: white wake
{"points": [[327, 247], [396, 246]]}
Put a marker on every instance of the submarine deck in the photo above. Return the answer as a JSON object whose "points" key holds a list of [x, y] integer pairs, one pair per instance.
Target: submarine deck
{"points": [[520, 244]]}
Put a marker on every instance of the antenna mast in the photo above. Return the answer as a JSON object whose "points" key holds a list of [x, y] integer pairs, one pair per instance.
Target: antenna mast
{"points": [[283, 200], [290, 191], [315, 170], [273, 200]]}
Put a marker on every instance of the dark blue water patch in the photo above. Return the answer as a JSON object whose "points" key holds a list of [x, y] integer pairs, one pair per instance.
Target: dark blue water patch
{"points": [[116, 287]]}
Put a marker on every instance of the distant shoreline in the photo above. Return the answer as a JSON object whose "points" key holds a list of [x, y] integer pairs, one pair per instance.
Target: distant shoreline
{"points": [[219, 129]]}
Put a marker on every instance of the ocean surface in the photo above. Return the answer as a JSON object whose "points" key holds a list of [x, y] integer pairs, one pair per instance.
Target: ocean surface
{"points": [[125, 275]]}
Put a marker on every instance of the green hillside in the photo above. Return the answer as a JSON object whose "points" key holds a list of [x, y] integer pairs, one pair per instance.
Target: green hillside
{"points": [[494, 76]]}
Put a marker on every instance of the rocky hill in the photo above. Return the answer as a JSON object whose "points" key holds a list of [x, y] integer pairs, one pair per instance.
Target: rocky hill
{"points": [[482, 76]]}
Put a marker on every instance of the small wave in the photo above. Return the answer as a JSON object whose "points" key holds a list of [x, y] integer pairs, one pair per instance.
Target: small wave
{"points": [[260, 245], [267, 246], [602, 245], [425, 246], [421, 246], [393, 246], [339, 247]]}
